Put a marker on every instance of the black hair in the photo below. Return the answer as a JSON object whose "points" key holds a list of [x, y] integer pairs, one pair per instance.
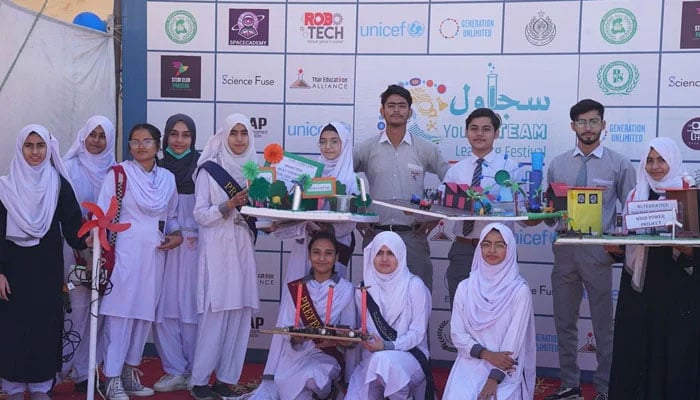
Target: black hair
{"points": [[399, 90], [174, 119], [152, 130], [485, 112], [585, 106], [329, 127], [321, 235]]}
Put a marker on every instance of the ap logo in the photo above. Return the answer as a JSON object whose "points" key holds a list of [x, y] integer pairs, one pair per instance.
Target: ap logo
{"points": [[618, 78], [618, 26], [180, 26]]}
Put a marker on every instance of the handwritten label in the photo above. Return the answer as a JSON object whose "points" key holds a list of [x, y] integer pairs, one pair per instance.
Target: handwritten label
{"points": [[293, 165], [320, 188], [650, 219]]}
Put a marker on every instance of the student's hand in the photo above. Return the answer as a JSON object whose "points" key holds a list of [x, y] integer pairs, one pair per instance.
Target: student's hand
{"points": [[4, 288], [373, 344], [489, 390], [500, 359], [365, 229], [238, 200], [171, 241]]}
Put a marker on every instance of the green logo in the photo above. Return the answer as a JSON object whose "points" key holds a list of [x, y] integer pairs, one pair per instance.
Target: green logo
{"points": [[180, 26], [618, 26], [618, 78]]}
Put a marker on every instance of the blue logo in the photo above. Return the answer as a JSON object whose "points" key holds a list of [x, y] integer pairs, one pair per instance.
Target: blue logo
{"points": [[413, 29]]}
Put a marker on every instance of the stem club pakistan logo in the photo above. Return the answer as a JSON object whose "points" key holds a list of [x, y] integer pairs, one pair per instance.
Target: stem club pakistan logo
{"points": [[180, 26], [618, 26], [618, 78]]}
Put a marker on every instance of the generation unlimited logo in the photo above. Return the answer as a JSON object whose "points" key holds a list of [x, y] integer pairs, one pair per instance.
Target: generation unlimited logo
{"points": [[451, 28], [180, 26]]}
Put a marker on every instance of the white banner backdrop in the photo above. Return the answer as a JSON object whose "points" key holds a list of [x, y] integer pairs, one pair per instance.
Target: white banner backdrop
{"points": [[63, 75], [293, 66]]}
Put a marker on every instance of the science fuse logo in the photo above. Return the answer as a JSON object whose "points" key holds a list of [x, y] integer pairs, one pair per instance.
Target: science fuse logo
{"points": [[690, 25], [413, 29], [618, 26], [248, 27], [540, 31], [181, 76], [618, 78], [322, 27], [180, 26]]}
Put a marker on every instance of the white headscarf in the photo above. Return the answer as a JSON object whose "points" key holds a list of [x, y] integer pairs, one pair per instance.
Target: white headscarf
{"points": [[218, 150], [491, 288], [389, 291], [30, 193], [95, 166], [635, 256], [342, 167]]}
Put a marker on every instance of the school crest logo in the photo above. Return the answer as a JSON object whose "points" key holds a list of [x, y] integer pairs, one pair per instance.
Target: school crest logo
{"points": [[618, 78], [540, 31], [443, 336], [618, 26], [180, 26]]}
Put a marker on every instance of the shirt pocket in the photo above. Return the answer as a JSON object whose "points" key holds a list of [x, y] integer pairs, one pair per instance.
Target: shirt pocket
{"points": [[415, 172]]}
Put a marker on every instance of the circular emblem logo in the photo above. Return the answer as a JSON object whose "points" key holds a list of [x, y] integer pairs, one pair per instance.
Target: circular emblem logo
{"points": [[247, 24], [618, 78], [540, 31], [443, 336], [180, 26], [618, 26], [691, 133], [449, 28], [416, 28]]}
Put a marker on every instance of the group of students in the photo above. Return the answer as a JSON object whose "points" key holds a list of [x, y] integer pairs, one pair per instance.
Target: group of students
{"points": [[186, 270]]}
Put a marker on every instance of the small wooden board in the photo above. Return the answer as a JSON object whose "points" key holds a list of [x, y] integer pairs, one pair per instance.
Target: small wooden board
{"points": [[319, 215], [643, 240], [280, 331], [441, 212]]}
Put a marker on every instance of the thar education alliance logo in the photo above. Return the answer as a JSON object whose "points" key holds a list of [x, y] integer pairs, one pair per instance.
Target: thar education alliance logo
{"points": [[180, 26]]}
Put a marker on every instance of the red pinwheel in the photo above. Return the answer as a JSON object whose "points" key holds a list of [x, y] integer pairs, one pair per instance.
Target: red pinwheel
{"points": [[103, 221]]}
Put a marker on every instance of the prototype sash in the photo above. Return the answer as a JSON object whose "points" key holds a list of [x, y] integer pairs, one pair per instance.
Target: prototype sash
{"points": [[231, 187], [390, 334]]}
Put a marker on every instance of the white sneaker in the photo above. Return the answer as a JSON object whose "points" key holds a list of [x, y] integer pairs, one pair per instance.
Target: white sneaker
{"points": [[170, 383], [115, 390], [132, 382]]}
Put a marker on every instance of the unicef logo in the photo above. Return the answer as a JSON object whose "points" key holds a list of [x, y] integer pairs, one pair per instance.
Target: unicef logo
{"points": [[416, 28], [180, 26], [443, 336], [618, 26], [540, 31], [618, 78]]}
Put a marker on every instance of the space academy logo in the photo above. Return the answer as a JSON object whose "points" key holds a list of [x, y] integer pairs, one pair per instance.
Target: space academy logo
{"points": [[691, 133], [690, 25], [248, 27], [319, 82], [322, 27], [444, 337], [181, 76], [618, 26], [541, 30], [618, 78], [180, 26], [451, 28], [434, 102]]}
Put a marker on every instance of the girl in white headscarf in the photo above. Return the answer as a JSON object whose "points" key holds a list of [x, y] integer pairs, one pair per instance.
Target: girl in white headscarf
{"points": [[87, 161], [656, 354], [37, 204], [387, 367], [227, 287], [149, 204], [493, 325]]}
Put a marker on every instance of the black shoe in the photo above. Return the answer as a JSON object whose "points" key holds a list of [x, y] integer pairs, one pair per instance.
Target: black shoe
{"points": [[566, 393], [80, 387], [203, 392], [221, 389]]}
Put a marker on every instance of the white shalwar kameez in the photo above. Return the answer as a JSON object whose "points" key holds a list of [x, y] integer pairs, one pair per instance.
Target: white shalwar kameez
{"points": [[150, 200], [303, 369], [405, 304], [227, 287], [493, 311], [87, 172]]}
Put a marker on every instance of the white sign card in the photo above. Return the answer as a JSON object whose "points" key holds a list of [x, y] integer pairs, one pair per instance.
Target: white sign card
{"points": [[640, 207], [650, 219]]}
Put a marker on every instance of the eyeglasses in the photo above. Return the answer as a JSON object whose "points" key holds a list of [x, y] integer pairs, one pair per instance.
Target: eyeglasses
{"points": [[593, 123], [142, 143], [499, 246], [329, 143], [394, 106]]}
